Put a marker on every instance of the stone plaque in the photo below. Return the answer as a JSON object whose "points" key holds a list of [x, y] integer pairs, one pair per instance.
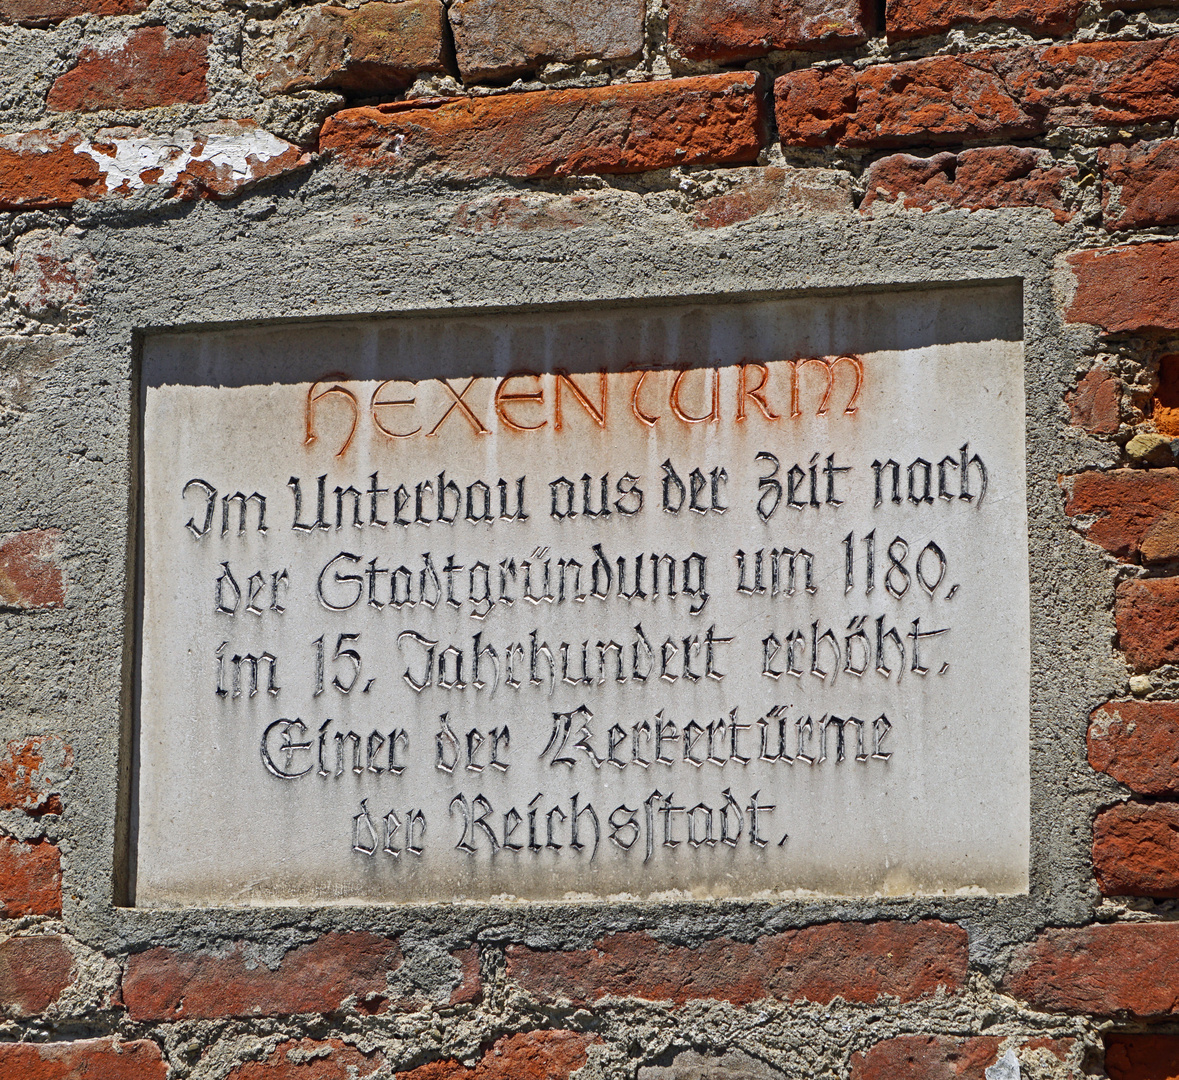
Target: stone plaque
{"points": [[708, 600]]}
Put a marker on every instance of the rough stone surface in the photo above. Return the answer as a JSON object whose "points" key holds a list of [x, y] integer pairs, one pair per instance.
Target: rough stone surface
{"points": [[1137, 743], [149, 68], [308, 1059], [1140, 184], [1141, 1057], [737, 29], [1132, 513], [1147, 615], [730, 1065], [30, 878], [1127, 288], [1106, 970], [618, 129], [854, 961], [1095, 404], [494, 39], [1014, 93], [371, 49], [50, 272], [537, 1055], [1136, 850], [48, 12], [163, 984], [34, 970], [984, 178], [31, 575], [919, 18], [84, 1059]]}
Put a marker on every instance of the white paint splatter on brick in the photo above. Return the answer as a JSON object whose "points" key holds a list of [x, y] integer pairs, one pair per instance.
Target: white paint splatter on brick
{"points": [[237, 156]]}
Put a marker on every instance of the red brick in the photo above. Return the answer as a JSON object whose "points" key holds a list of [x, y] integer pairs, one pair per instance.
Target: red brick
{"points": [[985, 178], [1129, 288], [1147, 616], [1106, 970], [1137, 743], [48, 12], [84, 1059], [375, 48], [854, 961], [30, 878], [1095, 404], [533, 1055], [1009, 93], [40, 170], [1142, 1057], [1131, 510], [634, 127], [33, 973], [1140, 184], [1136, 850], [30, 770], [943, 1057], [728, 30], [165, 984], [30, 570], [150, 68], [759, 190], [919, 18], [497, 39], [470, 988], [306, 1059]]}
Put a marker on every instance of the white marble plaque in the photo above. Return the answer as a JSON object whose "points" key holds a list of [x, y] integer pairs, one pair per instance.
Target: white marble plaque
{"points": [[710, 600]]}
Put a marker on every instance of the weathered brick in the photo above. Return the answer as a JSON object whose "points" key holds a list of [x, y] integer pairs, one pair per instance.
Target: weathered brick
{"points": [[1137, 743], [854, 961], [50, 272], [41, 170], [1104, 969], [946, 1057], [1140, 184], [31, 771], [1010, 93], [34, 971], [496, 39], [1147, 616], [532, 1055], [30, 878], [919, 18], [1136, 850], [727, 30], [1164, 409], [1095, 403], [149, 68], [372, 49], [30, 570], [48, 12], [1129, 512], [166, 984], [1142, 1057], [708, 119], [307, 1059], [758, 190], [988, 177], [1134, 287], [83, 1059]]}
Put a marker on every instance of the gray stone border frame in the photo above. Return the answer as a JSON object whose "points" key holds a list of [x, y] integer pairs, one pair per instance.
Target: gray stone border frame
{"points": [[320, 252]]}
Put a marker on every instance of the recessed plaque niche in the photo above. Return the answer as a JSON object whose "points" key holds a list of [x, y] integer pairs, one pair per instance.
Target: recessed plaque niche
{"points": [[719, 599]]}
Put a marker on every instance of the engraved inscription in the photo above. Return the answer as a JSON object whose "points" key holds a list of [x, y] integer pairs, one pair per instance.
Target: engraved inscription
{"points": [[697, 602]]}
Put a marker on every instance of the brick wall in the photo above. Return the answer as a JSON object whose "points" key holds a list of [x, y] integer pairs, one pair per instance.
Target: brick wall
{"points": [[540, 117]]}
